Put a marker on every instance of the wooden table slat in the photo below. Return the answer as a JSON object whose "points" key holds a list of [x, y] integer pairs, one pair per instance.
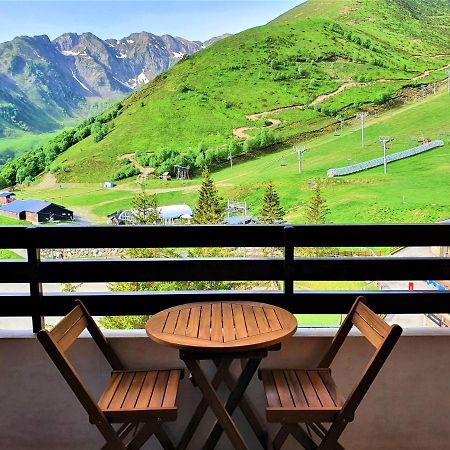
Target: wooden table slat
{"points": [[171, 322], [272, 318], [216, 323], [182, 323], [204, 331], [228, 323], [239, 321], [250, 320], [194, 322], [261, 320]]}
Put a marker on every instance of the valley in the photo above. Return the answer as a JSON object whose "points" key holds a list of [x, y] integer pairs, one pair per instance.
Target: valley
{"points": [[299, 80]]}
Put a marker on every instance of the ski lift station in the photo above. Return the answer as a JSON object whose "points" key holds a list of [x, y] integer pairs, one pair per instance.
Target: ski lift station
{"points": [[170, 214]]}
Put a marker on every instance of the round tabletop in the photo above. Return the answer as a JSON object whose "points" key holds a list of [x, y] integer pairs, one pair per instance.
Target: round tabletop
{"points": [[221, 326]]}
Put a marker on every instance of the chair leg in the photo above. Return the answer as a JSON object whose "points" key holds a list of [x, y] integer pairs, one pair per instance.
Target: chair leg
{"points": [[142, 436], [280, 438], [301, 436], [163, 438], [330, 441]]}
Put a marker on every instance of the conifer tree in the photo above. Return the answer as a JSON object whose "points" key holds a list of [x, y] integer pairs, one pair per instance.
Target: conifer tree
{"points": [[317, 209], [209, 209], [145, 208], [272, 211]]}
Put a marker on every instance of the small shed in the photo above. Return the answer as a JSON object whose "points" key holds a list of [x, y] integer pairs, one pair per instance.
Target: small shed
{"points": [[165, 176], [36, 211], [7, 197], [108, 184]]}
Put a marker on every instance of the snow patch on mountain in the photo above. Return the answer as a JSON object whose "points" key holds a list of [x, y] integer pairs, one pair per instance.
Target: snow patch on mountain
{"points": [[81, 84], [70, 53]]}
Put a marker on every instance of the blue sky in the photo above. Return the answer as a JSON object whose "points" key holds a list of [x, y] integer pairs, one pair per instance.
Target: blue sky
{"points": [[195, 20]]}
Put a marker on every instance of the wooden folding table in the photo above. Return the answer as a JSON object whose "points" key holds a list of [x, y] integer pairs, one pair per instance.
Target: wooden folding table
{"points": [[222, 332]]}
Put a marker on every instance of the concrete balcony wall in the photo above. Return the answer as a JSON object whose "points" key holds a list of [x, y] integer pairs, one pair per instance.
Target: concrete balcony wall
{"points": [[408, 406]]}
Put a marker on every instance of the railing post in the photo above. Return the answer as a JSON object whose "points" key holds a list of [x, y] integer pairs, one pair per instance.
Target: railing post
{"points": [[288, 262], [36, 294]]}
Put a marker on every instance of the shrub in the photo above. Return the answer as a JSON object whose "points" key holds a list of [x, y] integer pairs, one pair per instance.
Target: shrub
{"points": [[126, 172]]}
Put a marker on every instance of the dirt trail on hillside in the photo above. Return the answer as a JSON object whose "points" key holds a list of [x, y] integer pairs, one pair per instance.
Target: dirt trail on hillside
{"points": [[430, 71], [242, 131], [145, 171]]}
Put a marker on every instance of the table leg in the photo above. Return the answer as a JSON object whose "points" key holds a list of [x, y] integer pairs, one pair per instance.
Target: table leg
{"points": [[222, 369], [246, 408], [233, 400], [214, 402]]}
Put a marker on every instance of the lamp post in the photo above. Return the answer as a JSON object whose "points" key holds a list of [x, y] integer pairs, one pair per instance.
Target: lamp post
{"points": [[299, 150], [362, 116], [384, 140]]}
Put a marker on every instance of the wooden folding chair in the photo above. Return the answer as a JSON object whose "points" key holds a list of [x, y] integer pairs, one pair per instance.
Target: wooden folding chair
{"points": [[139, 400], [311, 397]]}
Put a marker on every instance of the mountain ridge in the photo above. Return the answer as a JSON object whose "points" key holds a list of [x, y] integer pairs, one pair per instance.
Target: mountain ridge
{"points": [[56, 79]]}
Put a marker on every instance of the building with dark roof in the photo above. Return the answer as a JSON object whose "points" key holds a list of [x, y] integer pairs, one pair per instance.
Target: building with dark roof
{"points": [[7, 197], [35, 211]]}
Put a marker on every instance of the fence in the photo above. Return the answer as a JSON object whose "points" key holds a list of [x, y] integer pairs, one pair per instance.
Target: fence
{"points": [[35, 271]]}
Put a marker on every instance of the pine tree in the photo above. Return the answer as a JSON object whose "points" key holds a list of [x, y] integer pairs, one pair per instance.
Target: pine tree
{"points": [[209, 209], [145, 208], [317, 209], [272, 211]]}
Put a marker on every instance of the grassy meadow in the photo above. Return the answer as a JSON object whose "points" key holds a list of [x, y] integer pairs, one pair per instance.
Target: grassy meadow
{"points": [[415, 190]]}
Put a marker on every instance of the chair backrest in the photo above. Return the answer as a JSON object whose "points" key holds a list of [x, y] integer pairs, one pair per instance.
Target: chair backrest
{"points": [[381, 336], [56, 343]]}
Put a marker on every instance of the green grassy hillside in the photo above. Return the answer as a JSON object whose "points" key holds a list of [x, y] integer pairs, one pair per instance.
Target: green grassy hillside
{"points": [[196, 114], [415, 189]]}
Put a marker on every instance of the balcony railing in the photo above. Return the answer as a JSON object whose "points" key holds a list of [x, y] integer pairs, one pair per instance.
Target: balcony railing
{"points": [[287, 269]]}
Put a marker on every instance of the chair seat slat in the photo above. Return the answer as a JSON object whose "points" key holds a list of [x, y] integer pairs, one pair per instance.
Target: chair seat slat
{"points": [[159, 390], [296, 390], [308, 389], [147, 390], [171, 389], [122, 390], [134, 391], [273, 399], [321, 390], [109, 392], [283, 388]]}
